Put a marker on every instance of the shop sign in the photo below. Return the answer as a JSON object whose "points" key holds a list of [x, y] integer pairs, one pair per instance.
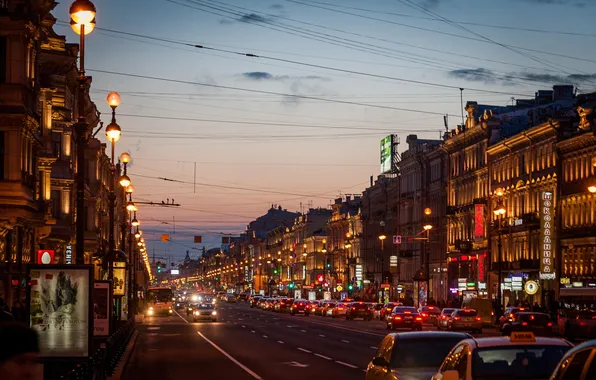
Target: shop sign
{"points": [[531, 287], [577, 284], [481, 266], [478, 223], [565, 281], [45, 256], [392, 261], [547, 238], [516, 283], [68, 254]]}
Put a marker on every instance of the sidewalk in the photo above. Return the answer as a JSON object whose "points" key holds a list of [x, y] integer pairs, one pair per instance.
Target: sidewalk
{"points": [[139, 319]]}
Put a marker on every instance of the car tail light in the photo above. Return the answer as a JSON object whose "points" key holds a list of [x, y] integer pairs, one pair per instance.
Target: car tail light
{"points": [[549, 324], [444, 317], [353, 308], [457, 318], [340, 308], [510, 315], [397, 318], [424, 315], [524, 323], [478, 319], [418, 318]]}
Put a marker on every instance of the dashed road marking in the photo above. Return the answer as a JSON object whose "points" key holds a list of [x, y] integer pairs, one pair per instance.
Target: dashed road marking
{"points": [[321, 335], [253, 331], [280, 342], [346, 364], [323, 357], [265, 336], [304, 350], [374, 348], [243, 326], [303, 331], [345, 341]]}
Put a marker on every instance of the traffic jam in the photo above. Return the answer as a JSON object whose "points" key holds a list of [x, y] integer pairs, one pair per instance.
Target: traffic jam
{"points": [[441, 344]]}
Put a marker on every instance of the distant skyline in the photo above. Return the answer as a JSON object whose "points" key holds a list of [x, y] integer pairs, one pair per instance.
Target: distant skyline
{"points": [[307, 134]]}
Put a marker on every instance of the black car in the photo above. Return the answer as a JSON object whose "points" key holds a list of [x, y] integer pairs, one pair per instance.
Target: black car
{"points": [[404, 317], [359, 310], [538, 323], [415, 355]]}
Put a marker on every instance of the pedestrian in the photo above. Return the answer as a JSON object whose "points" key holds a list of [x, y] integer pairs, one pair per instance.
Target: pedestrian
{"points": [[19, 353], [18, 312], [5, 315]]}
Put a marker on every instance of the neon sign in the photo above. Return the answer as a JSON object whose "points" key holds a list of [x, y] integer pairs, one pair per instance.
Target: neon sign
{"points": [[547, 238]]}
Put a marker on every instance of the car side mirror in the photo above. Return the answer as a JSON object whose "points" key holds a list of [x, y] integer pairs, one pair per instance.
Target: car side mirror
{"points": [[450, 375], [381, 362]]}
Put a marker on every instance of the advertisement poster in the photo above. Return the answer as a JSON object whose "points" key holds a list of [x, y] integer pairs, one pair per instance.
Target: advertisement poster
{"points": [[387, 154], [59, 309], [119, 278], [101, 309]]}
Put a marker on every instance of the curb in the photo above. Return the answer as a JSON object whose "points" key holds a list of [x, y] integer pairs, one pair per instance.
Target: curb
{"points": [[119, 371]]}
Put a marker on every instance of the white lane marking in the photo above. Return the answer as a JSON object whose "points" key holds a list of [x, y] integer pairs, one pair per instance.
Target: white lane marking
{"points": [[346, 364], [321, 335], [240, 319], [153, 328], [265, 336], [253, 331], [305, 350], [323, 357], [243, 326], [152, 334], [303, 330], [277, 323], [289, 326], [245, 368], [345, 341], [374, 348], [280, 342], [184, 319], [170, 334]]}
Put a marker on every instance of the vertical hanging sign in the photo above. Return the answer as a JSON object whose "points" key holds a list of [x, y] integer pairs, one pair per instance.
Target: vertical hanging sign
{"points": [[478, 223], [68, 254], [547, 237]]}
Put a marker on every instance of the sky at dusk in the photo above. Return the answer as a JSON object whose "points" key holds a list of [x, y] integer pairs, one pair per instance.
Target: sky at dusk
{"points": [[279, 145]]}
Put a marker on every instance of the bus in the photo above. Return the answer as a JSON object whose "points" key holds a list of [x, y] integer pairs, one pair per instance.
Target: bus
{"points": [[160, 301]]}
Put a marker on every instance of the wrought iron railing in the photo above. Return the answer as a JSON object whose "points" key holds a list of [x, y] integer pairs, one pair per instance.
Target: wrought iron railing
{"points": [[104, 361]]}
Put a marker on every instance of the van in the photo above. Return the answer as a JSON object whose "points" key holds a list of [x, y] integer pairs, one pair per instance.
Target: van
{"points": [[484, 308]]}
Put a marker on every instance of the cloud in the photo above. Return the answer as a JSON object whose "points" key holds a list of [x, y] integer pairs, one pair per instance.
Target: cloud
{"points": [[265, 76], [253, 18], [575, 3], [488, 76]]}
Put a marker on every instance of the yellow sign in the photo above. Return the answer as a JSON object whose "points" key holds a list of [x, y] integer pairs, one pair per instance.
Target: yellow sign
{"points": [[531, 287], [522, 336], [339, 288]]}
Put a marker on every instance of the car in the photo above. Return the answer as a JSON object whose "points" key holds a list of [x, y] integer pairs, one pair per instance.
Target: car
{"points": [[430, 314], [582, 326], [538, 323], [339, 310], [322, 306], [520, 356], [231, 298], [444, 318], [284, 305], [300, 306], [465, 319], [254, 300], [404, 317], [205, 311], [579, 363], [377, 307], [329, 309], [387, 309], [243, 297], [412, 355], [359, 310], [508, 315], [313, 306]]}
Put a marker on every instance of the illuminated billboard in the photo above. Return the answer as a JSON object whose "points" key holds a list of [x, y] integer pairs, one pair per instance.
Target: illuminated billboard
{"points": [[387, 154], [547, 238]]}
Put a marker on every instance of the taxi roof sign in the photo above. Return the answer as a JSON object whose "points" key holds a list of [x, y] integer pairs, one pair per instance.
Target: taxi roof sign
{"points": [[522, 336]]}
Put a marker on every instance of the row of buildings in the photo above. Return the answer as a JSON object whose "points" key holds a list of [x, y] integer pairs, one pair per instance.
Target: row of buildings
{"points": [[38, 165], [507, 199]]}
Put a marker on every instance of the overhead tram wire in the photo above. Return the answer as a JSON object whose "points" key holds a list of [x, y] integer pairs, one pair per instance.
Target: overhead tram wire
{"points": [[420, 8], [435, 31], [459, 22], [424, 59]]}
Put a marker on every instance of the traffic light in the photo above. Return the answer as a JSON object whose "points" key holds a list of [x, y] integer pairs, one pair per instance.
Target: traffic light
{"points": [[350, 287], [328, 265], [275, 271], [158, 267], [291, 285]]}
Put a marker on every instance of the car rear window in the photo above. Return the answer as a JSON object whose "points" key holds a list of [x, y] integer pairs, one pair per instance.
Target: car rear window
{"points": [[516, 362], [448, 311], [417, 353], [405, 310], [360, 306], [538, 319], [467, 313]]}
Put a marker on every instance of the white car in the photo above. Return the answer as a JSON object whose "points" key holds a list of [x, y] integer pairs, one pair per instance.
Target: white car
{"points": [[521, 356]]}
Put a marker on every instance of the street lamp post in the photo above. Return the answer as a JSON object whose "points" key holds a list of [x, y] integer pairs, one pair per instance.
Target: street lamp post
{"points": [[82, 21], [382, 238], [427, 227], [499, 211], [113, 133]]}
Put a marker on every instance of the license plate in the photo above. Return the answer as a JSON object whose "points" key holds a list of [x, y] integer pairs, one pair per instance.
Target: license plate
{"points": [[468, 319], [408, 318]]}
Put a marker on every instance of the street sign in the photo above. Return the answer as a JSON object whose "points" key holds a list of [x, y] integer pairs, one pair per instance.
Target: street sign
{"points": [[45, 256], [339, 288], [396, 239]]}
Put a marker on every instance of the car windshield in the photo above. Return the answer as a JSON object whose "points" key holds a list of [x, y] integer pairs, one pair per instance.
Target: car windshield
{"points": [[516, 362], [205, 306], [421, 353], [159, 295]]}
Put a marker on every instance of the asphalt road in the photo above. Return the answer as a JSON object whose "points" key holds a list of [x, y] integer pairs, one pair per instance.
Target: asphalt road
{"points": [[252, 344]]}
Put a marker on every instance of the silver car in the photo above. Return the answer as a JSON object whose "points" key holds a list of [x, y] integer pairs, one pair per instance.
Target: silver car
{"points": [[444, 318], [204, 312]]}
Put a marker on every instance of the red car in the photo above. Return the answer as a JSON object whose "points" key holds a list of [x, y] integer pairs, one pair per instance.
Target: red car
{"points": [[301, 307]]}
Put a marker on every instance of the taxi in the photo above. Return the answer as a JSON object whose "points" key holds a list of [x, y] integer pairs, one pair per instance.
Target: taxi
{"points": [[520, 356]]}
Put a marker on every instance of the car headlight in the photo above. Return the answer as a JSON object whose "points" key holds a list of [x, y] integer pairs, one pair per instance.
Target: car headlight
{"points": [[149, 312], [151, 308], [170, 311], [214, 312], [196, 313]]}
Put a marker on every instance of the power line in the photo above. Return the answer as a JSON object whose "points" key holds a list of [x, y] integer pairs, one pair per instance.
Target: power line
{"points": [[271, 92], [459, 22]]}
